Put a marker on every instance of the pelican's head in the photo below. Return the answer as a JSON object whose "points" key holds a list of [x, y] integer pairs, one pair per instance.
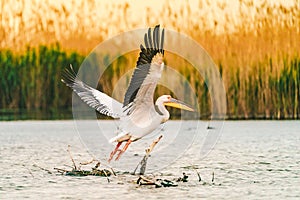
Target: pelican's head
{"points": [[167, 100]]}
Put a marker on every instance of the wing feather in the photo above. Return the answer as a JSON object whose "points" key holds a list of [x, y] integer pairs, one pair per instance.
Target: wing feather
{"points": [[145, 72], [101, 102], [157, 37], [149, 38], [162, 42], [142, 85]]}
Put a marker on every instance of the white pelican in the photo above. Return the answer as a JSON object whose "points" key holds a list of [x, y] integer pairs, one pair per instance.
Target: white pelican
{"points": [[138, 114]]}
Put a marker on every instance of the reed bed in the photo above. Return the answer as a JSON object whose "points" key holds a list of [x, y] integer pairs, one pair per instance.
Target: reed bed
{"points": [[255, 45], [31, 81]]}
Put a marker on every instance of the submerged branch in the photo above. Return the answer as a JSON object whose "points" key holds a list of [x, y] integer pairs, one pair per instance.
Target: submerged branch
{"points": [[76, 171], [143, 162], [44, 169]]}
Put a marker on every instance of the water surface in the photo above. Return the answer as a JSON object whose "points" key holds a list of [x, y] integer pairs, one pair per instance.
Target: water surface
{"points": [[252, 160]]}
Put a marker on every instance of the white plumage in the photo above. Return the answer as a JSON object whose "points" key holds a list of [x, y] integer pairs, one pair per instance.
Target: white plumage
{"points": [[138, 115]]}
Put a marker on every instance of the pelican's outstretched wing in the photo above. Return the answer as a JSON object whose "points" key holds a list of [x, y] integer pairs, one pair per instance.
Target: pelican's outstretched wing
{"points": [[147, 72], [101, 102]]}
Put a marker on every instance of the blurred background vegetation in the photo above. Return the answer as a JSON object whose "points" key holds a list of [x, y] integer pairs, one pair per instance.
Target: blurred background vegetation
{"points": [[255, 44]]}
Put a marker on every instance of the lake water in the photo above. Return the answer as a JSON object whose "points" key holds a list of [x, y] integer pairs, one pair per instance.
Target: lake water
{"points": [[251, 160]]}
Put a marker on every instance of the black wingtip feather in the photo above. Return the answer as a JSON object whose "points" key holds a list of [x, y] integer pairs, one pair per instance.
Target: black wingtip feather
{"points": [[149, 38], [162, 41], [153, 45], [158, 38]]}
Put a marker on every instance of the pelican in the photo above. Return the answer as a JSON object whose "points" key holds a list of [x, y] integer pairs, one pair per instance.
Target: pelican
{"points": [[138, 115]]}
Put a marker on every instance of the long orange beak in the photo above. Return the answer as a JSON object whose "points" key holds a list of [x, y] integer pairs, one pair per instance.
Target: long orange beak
{"points": [[178, 104]]}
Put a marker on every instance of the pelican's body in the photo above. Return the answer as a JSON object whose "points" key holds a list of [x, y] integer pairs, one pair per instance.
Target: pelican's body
{"points": [[140, 123], [138, 115]]}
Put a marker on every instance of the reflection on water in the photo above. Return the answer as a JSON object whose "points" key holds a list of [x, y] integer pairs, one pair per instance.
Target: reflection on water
{"points": [[252, 160]]}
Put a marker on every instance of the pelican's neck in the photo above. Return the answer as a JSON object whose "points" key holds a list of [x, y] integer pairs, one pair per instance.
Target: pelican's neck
{"points": [[162, 110]]}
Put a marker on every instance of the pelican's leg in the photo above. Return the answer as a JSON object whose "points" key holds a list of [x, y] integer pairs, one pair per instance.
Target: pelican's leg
{"points": [[124, 149], [114, 151]]}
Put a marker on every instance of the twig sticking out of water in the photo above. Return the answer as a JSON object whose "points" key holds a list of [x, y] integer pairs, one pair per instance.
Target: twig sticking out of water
{"points": [[199, 177], [62, 171], [106, 176], [93, 160], [76, 171], [28, 170], [143, 162], [112, 170], [151, 147], [104, 171], [47, 170], [71, 157], [213, 177], [88, 162], [198, 173]]}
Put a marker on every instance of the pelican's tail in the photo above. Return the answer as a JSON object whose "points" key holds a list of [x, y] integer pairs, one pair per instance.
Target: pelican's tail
{"points": [[121, 137]]}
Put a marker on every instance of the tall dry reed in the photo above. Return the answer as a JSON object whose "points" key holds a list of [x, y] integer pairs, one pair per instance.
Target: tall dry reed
{"points": [[256, 49]]}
